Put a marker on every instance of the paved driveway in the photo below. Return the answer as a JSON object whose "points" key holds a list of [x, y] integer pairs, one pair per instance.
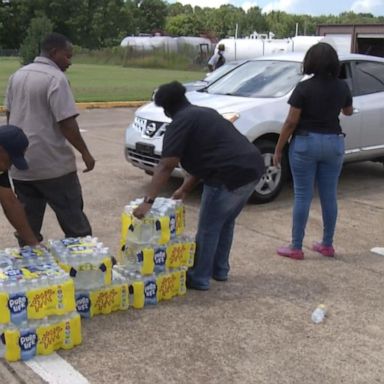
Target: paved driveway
{"points": [[256, 327]]}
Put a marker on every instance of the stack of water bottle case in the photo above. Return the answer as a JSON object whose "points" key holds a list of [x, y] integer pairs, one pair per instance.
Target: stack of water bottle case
{"points": [[43, 293], [155, 254], [37, 305]]}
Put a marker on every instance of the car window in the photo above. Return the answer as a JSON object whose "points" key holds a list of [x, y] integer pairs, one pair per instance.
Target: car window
{"points": [[346, 74], [369, 77], [220, 72], [264, 78]]}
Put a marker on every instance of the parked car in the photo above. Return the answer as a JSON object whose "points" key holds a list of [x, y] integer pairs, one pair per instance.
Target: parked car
{"points": [[213, 76], [254, 97]]}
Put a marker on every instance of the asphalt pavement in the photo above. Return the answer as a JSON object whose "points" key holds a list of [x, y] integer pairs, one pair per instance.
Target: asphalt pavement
{"points": [[254, 328]]}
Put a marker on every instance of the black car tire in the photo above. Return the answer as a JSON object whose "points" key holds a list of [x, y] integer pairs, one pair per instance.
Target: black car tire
{"points": [[271, 183]]}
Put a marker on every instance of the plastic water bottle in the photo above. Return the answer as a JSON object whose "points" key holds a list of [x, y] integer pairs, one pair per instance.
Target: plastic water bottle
{"points": [[319, 314]]}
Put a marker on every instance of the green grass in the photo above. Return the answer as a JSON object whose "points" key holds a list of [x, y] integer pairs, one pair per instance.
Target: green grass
{"points": [[91, 82]]}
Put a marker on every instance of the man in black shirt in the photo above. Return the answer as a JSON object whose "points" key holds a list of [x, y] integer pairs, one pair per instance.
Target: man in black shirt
{"points": [[211, 150], [13, 144]]}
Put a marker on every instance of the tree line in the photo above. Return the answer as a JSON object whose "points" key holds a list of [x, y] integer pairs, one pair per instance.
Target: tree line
{"points": [[96, 24]]}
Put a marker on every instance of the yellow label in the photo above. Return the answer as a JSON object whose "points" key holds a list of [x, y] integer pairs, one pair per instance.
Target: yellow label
{"points": [[5, 314], [138, 294], [175, 255], [41, 302], [180, 220], [167, 286], [126, 221], [107, 300], [189, 254], [165, 234], [12, 349], [50, 338], [107, 261], [148, 262], [55, 300], [182, 277]]}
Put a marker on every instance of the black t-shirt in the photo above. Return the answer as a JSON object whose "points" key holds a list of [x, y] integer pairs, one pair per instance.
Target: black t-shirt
{"points": [[4, 179], [210, 147], [220, 61], [320, 99]]}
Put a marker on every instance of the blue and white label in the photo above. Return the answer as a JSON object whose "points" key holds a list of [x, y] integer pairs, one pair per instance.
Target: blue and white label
{"points": [[13, 273], [160, 258], [172, 225], [140, 256], [83, 304], [17, 304], [150, 292], [27, 343]]}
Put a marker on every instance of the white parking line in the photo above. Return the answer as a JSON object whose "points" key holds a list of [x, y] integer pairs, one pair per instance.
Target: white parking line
{"points": [[378, 250], [83, 130], [55, 370]]}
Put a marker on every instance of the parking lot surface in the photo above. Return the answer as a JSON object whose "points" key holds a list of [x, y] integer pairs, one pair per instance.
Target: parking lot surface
{"points": [[256, 327]]}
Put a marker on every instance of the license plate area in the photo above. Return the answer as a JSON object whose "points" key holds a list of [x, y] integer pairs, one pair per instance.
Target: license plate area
{"points": [[145, 149]]}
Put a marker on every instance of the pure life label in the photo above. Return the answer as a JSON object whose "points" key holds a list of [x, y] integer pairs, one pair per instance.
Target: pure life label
{"points": [[17, 305]]}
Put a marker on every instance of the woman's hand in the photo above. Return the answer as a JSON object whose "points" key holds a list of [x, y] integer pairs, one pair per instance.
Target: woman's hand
{"points": [[277, 158]]}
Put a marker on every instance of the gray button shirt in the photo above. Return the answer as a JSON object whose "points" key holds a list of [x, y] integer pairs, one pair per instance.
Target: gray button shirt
{"points": [[39, 97]]}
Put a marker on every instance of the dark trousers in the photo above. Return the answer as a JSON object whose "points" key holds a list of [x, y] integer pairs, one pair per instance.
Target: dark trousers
{"points": [[63, 194]]}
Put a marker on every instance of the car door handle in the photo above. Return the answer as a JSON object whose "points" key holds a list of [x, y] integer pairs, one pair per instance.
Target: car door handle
{"points": [[356, 110]]}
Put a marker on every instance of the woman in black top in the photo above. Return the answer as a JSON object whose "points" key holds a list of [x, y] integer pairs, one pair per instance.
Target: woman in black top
{"points": [[316, 150]]}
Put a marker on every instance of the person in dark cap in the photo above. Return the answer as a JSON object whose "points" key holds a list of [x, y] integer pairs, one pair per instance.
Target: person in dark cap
{"points": [[213, 151], [13, 144]]}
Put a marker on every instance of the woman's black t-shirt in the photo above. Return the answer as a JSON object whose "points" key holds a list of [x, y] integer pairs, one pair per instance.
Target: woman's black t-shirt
{"points": [[320, 99]]}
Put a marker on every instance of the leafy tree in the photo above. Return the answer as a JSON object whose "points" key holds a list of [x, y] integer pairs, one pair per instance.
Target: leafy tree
{"points": [[184, 25], [281, 24], [151, 15], [38, 29], [224, 19], [15, 18], [175, 9], [254, 21]]}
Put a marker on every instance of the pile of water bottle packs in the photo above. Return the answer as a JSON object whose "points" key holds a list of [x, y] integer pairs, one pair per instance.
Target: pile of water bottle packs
{"points": [[37, 305], [90, 264], [44, 293], [155, 254]]}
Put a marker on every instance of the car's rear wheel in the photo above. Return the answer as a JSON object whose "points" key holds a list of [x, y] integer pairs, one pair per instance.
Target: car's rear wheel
{"points": [[271, 183]]}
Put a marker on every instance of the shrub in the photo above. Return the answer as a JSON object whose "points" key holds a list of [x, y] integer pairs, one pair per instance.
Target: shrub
{"points": [[38, 28]]}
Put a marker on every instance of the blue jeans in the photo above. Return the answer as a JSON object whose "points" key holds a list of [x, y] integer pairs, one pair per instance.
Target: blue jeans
{"points": [[218, 212], [315, 158]]}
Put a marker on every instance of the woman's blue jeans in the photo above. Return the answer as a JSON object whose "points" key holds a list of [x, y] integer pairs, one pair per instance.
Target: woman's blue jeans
{"points": [[315, 158], [218, 212]]}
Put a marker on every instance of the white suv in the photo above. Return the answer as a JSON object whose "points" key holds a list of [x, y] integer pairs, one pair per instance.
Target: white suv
{"points": [[254, 96]]}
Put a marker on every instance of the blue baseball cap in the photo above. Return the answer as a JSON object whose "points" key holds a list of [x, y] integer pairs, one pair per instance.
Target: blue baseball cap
{"points": [[15, 143]]}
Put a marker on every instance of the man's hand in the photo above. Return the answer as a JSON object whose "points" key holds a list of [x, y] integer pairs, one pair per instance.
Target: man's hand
{"points": [[141, 210], [89, 161], [179, 194]]}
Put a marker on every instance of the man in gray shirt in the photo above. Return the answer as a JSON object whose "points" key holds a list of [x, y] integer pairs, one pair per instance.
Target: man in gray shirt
{"points": [[40, 101]]}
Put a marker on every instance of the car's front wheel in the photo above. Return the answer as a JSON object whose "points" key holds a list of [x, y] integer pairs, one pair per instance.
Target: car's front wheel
{"points": [[271, 183]]}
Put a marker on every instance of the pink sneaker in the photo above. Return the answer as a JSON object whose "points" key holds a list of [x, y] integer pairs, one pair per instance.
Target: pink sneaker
{"points": [[327, 251], [290, 252]]}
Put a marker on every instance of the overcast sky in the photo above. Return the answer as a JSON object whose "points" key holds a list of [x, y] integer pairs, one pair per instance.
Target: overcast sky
{"points": [[311, 7]]}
